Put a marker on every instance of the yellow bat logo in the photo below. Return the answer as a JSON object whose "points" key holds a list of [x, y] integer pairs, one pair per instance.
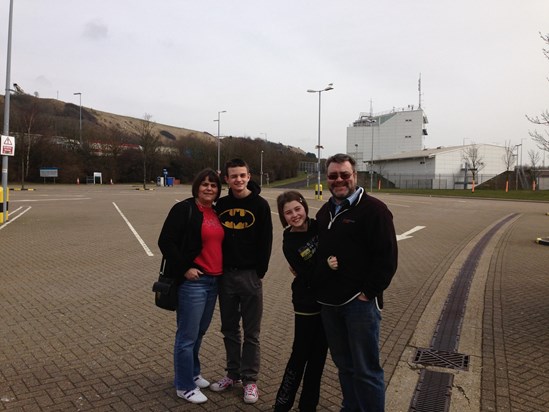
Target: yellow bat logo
{"points": [[237, 219]]}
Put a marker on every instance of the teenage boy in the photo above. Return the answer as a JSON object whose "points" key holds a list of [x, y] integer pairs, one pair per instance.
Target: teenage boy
{"points": [[246, 218]]}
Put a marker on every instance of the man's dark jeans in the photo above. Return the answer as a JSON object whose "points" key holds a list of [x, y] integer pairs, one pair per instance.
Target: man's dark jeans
{"points": [[352, 331]]}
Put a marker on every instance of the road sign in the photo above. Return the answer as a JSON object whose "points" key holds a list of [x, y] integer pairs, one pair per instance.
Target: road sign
{"points": [[7, 147]]}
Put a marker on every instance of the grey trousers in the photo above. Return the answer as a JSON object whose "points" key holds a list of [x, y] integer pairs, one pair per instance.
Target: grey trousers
{"points": [[241, 297]]}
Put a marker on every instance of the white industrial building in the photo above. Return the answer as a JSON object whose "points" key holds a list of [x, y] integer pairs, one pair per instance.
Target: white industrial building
{"points": [[391, 144], [372, 137]]}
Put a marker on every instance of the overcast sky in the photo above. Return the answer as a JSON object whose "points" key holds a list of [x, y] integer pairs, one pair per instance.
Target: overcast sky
{"points": [[182, 61]]}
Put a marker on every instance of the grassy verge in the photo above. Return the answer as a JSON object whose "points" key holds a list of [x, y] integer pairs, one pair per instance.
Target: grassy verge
{"points": [[528, 195], [540, 196]]}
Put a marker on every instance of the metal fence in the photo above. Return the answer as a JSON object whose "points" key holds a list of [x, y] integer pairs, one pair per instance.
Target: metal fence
{"points": [[445, 181]]}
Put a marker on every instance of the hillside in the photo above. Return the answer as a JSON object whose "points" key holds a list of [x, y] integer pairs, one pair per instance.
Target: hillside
{"points": [[54, 109], [49, 135]]}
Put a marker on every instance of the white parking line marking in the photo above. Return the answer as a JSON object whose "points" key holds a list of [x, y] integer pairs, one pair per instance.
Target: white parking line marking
{"points": [[405, 235], [47, 200], [16, 217], [147, 250]]}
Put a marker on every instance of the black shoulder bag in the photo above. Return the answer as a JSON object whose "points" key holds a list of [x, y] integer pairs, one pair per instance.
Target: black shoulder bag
{"points": [[165, 289]]}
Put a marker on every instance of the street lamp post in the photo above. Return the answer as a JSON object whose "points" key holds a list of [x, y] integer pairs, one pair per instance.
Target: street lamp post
{"points": [[318, 146], [218, 120], [79, 94], [517, 165], [6, 131], [372, 121], [261, 171]]}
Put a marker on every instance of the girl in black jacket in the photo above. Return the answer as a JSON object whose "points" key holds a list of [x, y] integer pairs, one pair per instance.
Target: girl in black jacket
{"points": [[309, 349]]}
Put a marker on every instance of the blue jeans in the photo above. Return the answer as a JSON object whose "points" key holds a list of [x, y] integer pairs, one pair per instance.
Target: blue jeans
{"points": [[352, 331], [194, 313]]}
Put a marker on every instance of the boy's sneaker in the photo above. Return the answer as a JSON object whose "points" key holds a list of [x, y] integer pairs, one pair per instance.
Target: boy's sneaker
{"points": [[224, 383], [193, 396], [201, 382], [251, 394]]}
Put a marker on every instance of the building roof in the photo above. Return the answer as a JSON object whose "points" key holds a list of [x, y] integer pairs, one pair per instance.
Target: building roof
{"points": [[430, 153]]}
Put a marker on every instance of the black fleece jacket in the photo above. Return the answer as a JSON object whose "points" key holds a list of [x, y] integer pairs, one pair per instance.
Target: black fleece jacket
{"points": [[362, 237], [180, 240]]}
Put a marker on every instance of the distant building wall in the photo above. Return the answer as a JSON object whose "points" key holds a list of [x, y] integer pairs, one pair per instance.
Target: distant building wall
{"points": [[442, 168], [395, 131]]}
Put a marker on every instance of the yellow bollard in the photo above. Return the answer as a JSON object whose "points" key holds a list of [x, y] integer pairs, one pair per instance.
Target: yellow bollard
{"points": [[318, 193], [2, 204]]}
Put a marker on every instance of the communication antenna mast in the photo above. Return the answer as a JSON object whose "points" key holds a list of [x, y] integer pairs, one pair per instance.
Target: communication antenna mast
{"points": [[419, 89]]}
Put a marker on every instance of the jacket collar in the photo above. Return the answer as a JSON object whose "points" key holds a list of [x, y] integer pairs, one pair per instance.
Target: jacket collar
{"points": [[352, 200]]}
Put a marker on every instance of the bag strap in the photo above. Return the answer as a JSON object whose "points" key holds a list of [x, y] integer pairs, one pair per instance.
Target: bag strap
{"points": [[162, 266]]}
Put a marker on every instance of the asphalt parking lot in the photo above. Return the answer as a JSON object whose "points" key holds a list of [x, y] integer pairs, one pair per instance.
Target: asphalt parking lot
{"points": [[80, 331]]}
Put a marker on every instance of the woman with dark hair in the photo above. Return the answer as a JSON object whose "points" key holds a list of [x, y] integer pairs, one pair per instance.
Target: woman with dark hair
{"points": [[309, 349], [191, 241]]}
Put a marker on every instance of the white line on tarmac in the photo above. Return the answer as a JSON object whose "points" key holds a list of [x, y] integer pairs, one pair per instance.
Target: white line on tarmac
{"points": [[16, 217], [406, 235], [141, 241], [47, 200]]}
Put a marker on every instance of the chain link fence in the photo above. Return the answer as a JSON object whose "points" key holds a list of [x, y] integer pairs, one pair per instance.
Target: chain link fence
{"points": [[514, 181]]}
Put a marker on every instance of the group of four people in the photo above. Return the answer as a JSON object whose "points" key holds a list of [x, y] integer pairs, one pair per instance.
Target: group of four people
{"points": [[342, 262]]}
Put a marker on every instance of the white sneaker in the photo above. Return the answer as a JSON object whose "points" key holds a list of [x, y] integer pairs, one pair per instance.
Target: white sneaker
{"points": [[193, 396], [224, 383], [251, 394], [201, 382]]}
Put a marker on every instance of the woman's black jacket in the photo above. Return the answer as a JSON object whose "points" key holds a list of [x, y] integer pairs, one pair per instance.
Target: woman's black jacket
{"points": [[180, 240]]}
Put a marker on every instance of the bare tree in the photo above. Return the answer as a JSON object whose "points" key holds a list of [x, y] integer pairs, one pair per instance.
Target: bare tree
{"points": [[535, 159], [543, 119], [27, 116], [149, 141], [474, 160], [509, 160], [113, 146]]}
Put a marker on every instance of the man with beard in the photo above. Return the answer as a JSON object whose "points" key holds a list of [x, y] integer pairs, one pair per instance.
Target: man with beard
{"points": [[358, 229]]}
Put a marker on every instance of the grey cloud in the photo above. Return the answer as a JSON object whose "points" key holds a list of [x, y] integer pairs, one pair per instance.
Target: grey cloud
{"points": [[95, 30]]}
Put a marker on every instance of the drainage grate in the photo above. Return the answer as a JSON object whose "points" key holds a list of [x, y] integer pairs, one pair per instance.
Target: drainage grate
{"points": [[433, 392], [451, 360]]}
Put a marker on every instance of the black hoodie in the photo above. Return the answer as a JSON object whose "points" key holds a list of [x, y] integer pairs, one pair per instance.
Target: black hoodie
{"points": [[248, 230]]}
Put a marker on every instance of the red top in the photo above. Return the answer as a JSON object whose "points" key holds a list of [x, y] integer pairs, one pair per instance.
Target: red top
{"points": [[211, 257]]}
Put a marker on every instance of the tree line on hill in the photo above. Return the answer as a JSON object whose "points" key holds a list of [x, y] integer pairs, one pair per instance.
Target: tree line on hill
{"points": [[49, 135]]}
